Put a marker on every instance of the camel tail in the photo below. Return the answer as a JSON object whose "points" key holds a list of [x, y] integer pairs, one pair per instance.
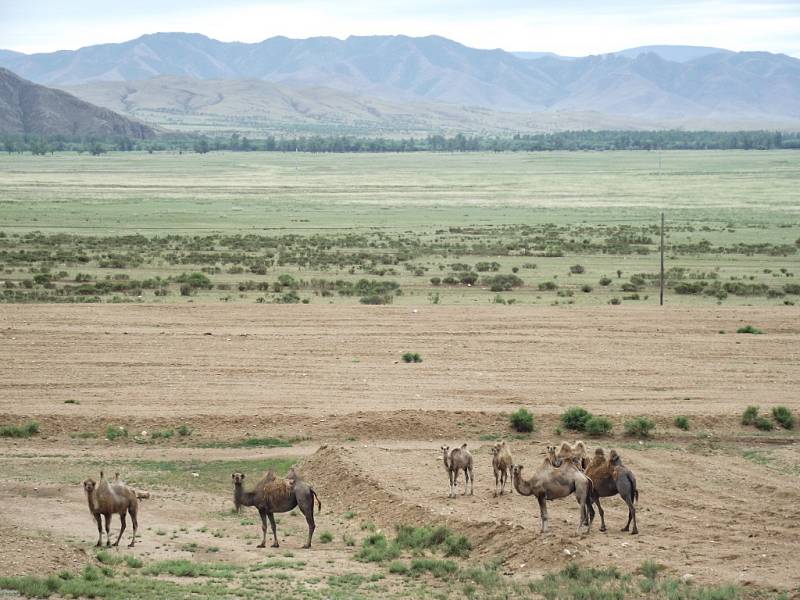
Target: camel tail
{"points": [[635, 490], [319, 502], [142, 495]]}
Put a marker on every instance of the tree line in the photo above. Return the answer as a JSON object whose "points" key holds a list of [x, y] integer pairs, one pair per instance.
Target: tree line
{"points": [[559, 141]]}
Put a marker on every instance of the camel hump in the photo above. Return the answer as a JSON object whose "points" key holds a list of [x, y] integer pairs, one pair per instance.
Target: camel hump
{"points": [[464, 446]]}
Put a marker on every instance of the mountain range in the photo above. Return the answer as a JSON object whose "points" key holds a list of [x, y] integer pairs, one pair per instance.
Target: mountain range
{"points": [[647, 86], [30, 109]]}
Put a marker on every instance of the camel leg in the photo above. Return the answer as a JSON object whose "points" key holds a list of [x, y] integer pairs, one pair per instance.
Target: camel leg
{"points": [[602, 513], [263, 514], [135, 522], [631, 517], [471, 482], [454, 484], [271, 518], [121, 528], [497, 478], [308, 512], [108, 529], [509, 478], [543, 512], [98, 518], [466, 481]]}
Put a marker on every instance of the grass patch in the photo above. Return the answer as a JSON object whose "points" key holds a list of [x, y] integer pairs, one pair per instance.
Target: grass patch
{"points": [[433, 538], [639, 427], [72, 401], [398, 567], [749, 329], [411, 357], [326, 537], [114, 432], [436, 567], [522, 421], [183, 430], [763, 423], [784, 417], [576, 418], [376, 548], [749, 415], [599, 426], [682, 422], [187, 568], [20, 431], [267, 442]]}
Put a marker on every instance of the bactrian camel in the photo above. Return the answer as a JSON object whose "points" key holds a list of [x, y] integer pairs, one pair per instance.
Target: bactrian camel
{"points": [[502, 462], [108, 498], [551, 483], [272, 495], [459, 459], [610, 477]]}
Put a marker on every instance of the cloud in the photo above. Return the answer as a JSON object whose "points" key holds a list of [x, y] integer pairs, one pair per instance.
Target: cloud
{"points": [[571, 27]]}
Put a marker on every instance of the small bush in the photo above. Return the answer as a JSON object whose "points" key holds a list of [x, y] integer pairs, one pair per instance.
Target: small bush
{"points": [[682, 422], [548, 286], [72, 401], [113, 432], [183, 430], [763, 423], [410, 357], [575, 418], [20, 431], [604, 281], [398, 567], [615, 301], [577, 269], [326, 537], [749, 415], [437, 568], [522, 421], [650, 569], [749, 329], [586, 288], [639, 427], [376, 548], [597, 426], [783, 416]]}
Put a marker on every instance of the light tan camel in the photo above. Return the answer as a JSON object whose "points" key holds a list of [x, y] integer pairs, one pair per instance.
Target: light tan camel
{"points": [[273, 495], [107, 498], [552, 483], [459, 459], [502, 462], [575, 453]]}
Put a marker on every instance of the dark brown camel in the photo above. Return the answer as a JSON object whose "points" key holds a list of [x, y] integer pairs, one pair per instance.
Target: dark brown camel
{"points": [[609, 478]]}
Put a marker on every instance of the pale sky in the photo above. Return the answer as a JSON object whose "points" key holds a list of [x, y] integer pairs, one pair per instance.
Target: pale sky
{"points": [[568, 27]]}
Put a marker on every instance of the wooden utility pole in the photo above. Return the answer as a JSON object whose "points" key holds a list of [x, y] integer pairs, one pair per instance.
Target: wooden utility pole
{"points": [[661, 294]]}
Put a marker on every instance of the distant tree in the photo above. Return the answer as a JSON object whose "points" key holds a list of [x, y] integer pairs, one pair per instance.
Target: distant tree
{"points": [[39, 147], [201, 146], [9, 145], [95, 148]]}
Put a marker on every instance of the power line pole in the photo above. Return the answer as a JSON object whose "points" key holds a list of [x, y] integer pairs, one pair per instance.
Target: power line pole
{"points": [[661, 294]]}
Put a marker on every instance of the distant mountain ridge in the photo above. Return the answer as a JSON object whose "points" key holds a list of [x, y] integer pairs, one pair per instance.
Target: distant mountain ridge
{"points": [[693, 84], [30, 109]]}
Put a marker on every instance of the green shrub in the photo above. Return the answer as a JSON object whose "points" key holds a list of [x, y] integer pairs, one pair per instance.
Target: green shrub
{"points": [[615, 301], [575, 418], [113, 432], [376, 548], [749, 329], [548, 286], [577, 269], [398, 567], [763, 423], [522, 421], [597, 426], [183, 430], [682, 422], [20, 431], [326, 537], [410, 357], [749, 415], [604, 281], [586, 288], [783, 416], [639, 426], [437, 568]]}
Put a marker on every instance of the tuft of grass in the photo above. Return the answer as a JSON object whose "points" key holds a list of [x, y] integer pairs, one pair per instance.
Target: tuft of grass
{"points": [[682, 422], [650, 569], [20, 431], [188, 568], [72, 401], [763, 423], [783, 416], [113, 432], [349, 515], [436, 567], [749, 329], [326, 537], [522, 421], [376, 548], [597, 426], [441, 537], [749, 415], [107, 558], [575, 418], [411, 357], [398, 567], [132, 562], [267, 442], [639, 426], [183, 430]]}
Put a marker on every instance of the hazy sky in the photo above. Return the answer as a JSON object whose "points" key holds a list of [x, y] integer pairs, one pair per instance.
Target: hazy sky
{"points": [[570, 27]]}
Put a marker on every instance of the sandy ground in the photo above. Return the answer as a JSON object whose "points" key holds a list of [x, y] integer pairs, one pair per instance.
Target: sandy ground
{"points": [[719, 502]]}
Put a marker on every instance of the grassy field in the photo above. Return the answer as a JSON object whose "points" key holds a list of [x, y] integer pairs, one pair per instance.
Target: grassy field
{"points": [[244, 219]]}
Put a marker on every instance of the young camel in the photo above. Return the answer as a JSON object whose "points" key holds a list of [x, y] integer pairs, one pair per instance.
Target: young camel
{"points": [[575, 453], [502, 462], [611, 477], [112, 498], [457, 460], [273, 495], [552, 483]]}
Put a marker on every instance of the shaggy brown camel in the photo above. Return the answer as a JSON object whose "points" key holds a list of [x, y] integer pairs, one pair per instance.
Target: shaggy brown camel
{"points": [[457, 460], [575, 453], [502, 462], [552, 483], [273, 495], [112, 498], [611, 477]]}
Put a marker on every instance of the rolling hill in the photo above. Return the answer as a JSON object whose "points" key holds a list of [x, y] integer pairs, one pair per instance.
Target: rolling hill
{"points": [[30, 109], [667, 84]]}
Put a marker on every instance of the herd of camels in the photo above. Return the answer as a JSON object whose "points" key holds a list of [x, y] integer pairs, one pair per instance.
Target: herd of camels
{"points": [[564, 471]]}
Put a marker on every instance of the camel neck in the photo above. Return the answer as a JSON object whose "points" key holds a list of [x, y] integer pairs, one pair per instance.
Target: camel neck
{"points": [[242, 498]]}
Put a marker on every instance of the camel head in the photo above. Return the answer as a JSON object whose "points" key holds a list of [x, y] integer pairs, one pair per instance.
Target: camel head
{"points": [[446, 450], [496, 448], [614, 458], [89, 485], [551, 456], [600, 453], [238, 479], [516, 471]]}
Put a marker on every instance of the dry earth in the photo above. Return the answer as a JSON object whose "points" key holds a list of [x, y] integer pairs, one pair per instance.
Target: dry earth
{"points": [[719, 502]]}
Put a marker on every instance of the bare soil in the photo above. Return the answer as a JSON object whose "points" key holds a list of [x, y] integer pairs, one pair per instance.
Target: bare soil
{"points": [[719, 501]]}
